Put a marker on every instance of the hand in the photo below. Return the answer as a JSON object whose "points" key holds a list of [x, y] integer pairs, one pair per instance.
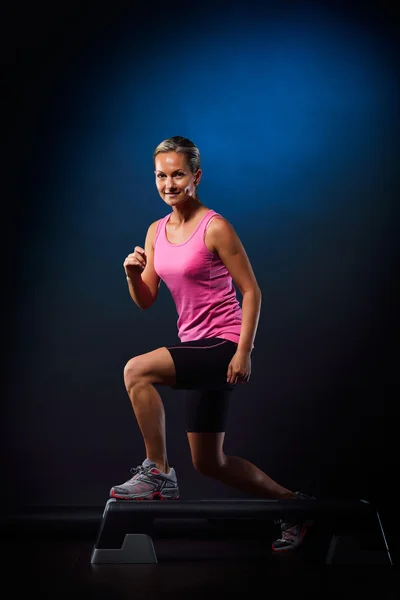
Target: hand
{"points": [[135, 263], [239, 368]]}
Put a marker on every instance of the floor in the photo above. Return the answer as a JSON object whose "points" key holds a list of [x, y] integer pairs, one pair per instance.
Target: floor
{"points": [[50, 554]]}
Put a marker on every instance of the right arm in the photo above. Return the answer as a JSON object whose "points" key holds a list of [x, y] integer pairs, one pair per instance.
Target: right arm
{"points": [[143, 281]]}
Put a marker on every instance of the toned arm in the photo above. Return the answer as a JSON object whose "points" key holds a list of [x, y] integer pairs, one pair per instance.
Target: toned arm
{"points": [[222, 238], [149, 276], [144, 286]]}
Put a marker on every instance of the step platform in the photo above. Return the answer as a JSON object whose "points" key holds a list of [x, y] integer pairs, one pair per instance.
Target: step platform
{"points": [[128, 529]]}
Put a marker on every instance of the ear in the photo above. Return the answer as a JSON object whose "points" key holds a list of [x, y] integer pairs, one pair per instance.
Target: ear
{"points": [[198, 176]]}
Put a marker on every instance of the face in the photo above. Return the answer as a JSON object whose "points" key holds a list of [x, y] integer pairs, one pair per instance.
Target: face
{"points": [[174, 180]]}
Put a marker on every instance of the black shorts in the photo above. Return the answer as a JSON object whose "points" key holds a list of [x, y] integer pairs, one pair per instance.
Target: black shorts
{"points": [[201, 369]]}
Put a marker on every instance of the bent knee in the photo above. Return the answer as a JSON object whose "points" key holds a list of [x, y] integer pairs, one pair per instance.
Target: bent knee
{"points": [[155, 367], [208, 465], [134, 372]]}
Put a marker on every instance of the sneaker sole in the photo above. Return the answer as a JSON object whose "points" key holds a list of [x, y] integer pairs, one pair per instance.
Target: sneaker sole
{"points": [[152, 496]]}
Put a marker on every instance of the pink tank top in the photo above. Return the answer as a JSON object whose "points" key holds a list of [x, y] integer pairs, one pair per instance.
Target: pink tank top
{"points": [[200, 285]]}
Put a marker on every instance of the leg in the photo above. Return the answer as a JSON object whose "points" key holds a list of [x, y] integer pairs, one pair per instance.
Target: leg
{"points": [[209, 459], [141, 373]]}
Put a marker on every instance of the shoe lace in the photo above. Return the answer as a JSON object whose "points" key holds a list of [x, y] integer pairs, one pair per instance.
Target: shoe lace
{"points": [[140, 470]]}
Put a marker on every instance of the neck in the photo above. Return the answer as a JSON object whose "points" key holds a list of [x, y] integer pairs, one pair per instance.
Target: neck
{"points": [[187, 211]]}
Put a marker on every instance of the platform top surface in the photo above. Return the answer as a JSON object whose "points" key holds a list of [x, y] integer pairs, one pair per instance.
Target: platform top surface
{"points": [[235, 507]]}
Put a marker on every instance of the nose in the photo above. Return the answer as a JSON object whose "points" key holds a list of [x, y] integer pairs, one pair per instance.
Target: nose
{"points": [[170, 184]]}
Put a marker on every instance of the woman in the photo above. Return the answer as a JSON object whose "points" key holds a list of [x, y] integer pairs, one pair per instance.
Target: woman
{"points": [[199, 256]]}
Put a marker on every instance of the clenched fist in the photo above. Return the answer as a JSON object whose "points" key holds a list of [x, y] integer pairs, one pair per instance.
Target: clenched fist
{"points": [[135, 263]]}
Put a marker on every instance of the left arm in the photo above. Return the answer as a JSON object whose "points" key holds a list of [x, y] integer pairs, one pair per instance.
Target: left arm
{"points": [[227, 244]]}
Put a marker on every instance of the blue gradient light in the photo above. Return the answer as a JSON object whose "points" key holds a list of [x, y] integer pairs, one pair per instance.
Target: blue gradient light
{"points": [[278, 109]]}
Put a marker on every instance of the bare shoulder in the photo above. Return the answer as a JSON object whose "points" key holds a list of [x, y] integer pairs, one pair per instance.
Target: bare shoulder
{"points": [[153, 225], [220, 232], [220, 226], [151, 231]]}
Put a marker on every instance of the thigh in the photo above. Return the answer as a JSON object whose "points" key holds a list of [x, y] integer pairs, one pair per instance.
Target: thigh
{"points": [[156, 366], [206, 448], [202, 364], [206, 411]]}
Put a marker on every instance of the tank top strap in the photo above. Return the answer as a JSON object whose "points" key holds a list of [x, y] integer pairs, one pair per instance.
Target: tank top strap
{"points": [[207, 220], [160, 224]]}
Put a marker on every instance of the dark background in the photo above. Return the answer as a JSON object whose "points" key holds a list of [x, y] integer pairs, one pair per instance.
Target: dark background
{"points": [[295, 111]]}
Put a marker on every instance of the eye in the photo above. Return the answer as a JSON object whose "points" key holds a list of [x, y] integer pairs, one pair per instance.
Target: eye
{"points": [[160, 175]]}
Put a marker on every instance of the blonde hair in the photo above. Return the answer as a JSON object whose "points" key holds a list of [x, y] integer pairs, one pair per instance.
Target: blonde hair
{"points": [[181, 145]]}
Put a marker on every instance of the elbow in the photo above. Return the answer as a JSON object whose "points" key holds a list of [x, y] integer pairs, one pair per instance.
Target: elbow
{"points": [[146, 306], [142, 305], [254, 294], [253, 291], [147, 300]]}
